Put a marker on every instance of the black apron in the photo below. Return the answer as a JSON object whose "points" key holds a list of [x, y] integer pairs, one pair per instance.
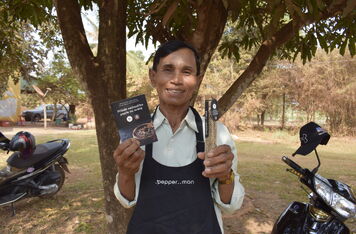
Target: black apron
{"points": [[174, 200]]}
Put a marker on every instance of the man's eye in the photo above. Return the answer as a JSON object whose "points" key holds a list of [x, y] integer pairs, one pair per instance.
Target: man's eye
{"points": [[187, 72], [167, 69]]}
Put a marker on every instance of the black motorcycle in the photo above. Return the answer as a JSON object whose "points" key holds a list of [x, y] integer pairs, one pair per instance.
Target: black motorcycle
{"points": [[331, 202], [40, 174]]}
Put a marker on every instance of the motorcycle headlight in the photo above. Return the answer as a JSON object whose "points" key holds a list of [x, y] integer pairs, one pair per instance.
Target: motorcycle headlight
{"points": [[340, 204]]}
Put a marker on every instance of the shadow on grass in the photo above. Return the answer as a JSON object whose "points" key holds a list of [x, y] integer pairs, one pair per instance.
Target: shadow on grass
{"points": [[66, 212]]}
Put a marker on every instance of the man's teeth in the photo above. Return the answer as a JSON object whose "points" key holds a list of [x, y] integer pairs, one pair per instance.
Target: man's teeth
{"points": [[175, 91]]}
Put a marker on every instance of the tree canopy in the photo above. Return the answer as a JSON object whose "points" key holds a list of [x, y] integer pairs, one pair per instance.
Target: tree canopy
{"points": [[271, 28]]}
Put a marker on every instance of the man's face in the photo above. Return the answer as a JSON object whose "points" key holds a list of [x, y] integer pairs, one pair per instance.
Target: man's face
{"points": [[175, 79]]}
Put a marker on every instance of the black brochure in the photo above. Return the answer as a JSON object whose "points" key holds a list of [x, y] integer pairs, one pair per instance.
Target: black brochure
{"points": [[133, 119]]}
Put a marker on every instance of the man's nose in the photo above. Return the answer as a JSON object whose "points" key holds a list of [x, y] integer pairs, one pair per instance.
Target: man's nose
{"points": [[177, 78]]}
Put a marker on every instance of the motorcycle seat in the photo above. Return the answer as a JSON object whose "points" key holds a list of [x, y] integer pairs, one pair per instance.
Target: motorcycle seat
{"points": [[41, 152]]}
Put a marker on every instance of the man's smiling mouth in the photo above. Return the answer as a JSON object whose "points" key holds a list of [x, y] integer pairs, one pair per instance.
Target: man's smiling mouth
{"points": [[175, 91]]}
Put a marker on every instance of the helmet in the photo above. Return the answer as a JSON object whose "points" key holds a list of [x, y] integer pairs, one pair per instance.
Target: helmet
{"points": [[24, 142]]}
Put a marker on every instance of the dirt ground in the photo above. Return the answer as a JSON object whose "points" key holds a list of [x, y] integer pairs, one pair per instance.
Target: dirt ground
{"points": [[257, 215]]}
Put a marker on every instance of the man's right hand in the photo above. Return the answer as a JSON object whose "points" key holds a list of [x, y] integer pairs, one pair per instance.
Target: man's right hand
{"points": [[128, 157]]}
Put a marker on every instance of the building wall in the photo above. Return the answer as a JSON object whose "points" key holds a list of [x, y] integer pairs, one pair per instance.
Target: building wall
{"points": [[10, 104]]}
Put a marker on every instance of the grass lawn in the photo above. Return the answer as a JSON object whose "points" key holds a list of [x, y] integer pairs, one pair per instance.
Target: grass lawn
{"points": [[78, 207]]}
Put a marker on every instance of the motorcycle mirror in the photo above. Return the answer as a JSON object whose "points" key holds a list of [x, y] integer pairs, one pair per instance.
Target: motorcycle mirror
{"points": [[4, 139], [4, 142]]}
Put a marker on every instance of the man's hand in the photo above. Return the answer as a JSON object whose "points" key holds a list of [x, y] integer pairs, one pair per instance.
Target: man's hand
{"points": [[128, 157], [217, 162]]}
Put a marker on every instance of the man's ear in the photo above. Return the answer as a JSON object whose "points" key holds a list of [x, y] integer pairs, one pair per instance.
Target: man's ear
{"points": [[151, 75]]}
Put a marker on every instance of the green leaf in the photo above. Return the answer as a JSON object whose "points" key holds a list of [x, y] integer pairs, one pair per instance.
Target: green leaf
{"points": [[226, 3], [138, 37], [224, 52], [343, 47], [322, 41], [236, 54], [352, 47]]}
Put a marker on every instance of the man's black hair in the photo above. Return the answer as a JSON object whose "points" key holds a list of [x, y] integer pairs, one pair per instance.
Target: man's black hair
{"points": [[171, 46]]}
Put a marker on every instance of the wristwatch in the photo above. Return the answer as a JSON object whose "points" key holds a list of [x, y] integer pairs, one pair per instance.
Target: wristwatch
{"points": [[228, 180]]}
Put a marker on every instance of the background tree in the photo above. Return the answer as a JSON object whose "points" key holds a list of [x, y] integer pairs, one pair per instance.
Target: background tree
{"points": [[320, 91], [327, 87], [23, 48], [64, 85]]}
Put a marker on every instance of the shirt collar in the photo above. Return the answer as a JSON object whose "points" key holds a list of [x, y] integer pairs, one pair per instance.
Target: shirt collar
{"points": [[189, 119]]}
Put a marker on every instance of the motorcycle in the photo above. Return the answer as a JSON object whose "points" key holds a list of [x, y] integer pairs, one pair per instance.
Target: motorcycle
{"points": [[331, 202], [41, 174]]}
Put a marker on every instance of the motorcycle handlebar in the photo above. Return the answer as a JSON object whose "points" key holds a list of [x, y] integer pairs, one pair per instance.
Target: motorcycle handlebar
{"points": [[293, 165]]}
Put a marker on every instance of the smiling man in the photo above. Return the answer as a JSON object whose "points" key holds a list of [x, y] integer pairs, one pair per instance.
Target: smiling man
{"points": [[176, 187]]}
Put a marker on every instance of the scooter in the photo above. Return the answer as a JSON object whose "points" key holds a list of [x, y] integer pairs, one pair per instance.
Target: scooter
{"points": [[331, 202], [41, 175]]}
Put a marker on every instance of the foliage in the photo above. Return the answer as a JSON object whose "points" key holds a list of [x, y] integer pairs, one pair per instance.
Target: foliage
{"points": [[30, 100], [20, 54], [64, 85], [323, 89], [251, 23], [137, 75], [281, 29], [72, 118], [328, 86], [257, 21], [27, 31]]}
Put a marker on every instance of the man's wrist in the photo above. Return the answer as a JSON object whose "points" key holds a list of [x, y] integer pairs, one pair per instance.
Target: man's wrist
{"points": [[229, 179], [124, 177]]}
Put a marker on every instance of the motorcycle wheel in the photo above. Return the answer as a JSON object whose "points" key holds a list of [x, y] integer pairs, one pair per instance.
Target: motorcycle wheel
{"points": [[59, 183]]}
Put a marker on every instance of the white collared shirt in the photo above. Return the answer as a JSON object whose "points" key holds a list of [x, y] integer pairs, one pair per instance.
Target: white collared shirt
{"points": [[183, 143]]}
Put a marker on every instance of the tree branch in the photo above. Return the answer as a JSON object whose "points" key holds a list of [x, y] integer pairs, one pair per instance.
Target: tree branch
{"points": [[266, 50], [212, 17], [75, 40]]}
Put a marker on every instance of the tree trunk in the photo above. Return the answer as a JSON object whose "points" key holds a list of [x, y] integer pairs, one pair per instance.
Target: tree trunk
{"points": [[212, 17], [263, 113], [283, 111], [72, 109], [54, 111], [105, 79]]}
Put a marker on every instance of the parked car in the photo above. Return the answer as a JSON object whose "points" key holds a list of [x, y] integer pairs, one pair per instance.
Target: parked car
{"points": [[37, 113]]}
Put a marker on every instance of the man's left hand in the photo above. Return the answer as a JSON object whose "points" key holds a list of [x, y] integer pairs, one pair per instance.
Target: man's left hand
{"points": [[217, 162]]}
